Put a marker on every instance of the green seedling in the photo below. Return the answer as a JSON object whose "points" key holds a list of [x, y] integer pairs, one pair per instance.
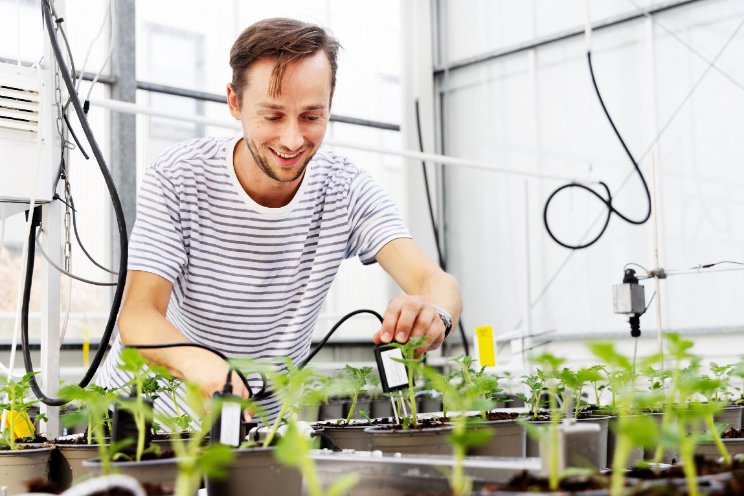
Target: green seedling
{"points": [[294, 387], [722, 374], [575, 381], [463, 398], [679, 350], [486, 386], [551, 364], [169, 385], [95, 402], [535, 388], [17, 406], [293, 450], [413, 361], [144, 384], [357, 378], [195, 460], [632, 430]]}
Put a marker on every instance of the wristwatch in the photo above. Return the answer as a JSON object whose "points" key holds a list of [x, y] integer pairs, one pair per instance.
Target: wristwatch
{"points": [[446, 319]]}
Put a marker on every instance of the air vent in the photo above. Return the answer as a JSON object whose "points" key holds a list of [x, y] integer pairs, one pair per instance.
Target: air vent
{"points": [[19, 108]]}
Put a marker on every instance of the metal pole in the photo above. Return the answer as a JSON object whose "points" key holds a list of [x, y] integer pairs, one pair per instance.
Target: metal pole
{"points": [[655, 182]]}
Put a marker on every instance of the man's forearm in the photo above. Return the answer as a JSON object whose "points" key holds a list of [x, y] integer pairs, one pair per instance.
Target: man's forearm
{"points": [[143, 324]]}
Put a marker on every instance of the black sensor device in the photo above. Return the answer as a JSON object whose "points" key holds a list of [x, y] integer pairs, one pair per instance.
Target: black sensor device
{"points": [[393, 374]]}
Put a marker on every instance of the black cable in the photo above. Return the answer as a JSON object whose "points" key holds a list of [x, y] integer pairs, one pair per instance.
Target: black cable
{"points": [[74, 137], [80, 242], [333, 329], [435, 229], [606, 201], [121, 223]]}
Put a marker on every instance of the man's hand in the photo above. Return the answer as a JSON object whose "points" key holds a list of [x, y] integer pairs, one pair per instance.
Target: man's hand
{"points": [[209, 372], [411, 316]]}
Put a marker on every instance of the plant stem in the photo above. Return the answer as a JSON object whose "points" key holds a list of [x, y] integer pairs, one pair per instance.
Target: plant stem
{"points": [[187, 483], [412, 398], [620, 460], [353, 406], [460, 484], [102, 450], [554, 438], [270, 437], [708, 417], [12, 419], [687, 456], [139, 420], [310, 476]]}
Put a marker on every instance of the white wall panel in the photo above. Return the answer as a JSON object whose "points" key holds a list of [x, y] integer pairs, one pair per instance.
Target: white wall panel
{"points": [[495, 111]]}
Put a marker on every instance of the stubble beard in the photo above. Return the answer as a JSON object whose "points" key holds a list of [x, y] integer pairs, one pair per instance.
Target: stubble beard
{"points": [[263, 164]]}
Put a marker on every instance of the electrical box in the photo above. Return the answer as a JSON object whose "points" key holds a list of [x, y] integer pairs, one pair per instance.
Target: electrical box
{"points": [[628, 298], [26, 124]]}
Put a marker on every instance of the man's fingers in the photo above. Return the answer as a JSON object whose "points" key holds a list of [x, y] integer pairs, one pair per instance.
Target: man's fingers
{"points": [[390, 320]]}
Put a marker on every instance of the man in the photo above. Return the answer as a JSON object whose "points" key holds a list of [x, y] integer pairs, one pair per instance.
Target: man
{"points": [[237, 240]]}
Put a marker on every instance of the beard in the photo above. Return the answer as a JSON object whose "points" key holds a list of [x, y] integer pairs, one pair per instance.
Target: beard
{"points": [[274, 173]]}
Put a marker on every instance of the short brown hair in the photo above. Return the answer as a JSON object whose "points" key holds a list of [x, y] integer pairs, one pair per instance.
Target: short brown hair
{"points": [[287, 40]]}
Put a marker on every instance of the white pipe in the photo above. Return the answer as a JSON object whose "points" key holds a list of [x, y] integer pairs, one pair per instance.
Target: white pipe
{"points": [[105, 483], [700, 270], [131, 108]]}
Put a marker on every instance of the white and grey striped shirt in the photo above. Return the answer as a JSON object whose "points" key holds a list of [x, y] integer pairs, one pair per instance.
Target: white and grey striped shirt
{"points": [[247, 279]]}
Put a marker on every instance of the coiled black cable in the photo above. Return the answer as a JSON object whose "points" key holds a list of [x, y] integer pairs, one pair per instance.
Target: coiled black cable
{"points": [[606, 201], [46, 9]]}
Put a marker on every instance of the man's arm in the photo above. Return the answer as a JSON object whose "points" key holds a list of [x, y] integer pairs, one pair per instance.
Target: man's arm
{"points": [[426, 286], [142, 321]]}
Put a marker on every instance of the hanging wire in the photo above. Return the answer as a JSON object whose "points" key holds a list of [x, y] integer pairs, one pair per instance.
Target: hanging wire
{"points": [[648, 150]]}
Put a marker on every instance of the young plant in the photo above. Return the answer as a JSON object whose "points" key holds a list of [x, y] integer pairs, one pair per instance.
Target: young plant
{"points": [[551, 364], [170, 385], [486, 386], [96, 402], [194, 459], [142, 383], [357, 378], [293, 450], [294, 387], [413, 361], [679, 350], [632, 430], [575, 381], [535, 388], [16, 405], [462, 398], [722, 374]]}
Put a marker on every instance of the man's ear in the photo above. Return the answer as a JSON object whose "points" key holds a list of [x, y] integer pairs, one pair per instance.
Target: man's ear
{"points": [[233, 102]]}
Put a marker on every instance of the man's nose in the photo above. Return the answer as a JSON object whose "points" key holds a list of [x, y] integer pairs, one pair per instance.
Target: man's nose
{"points": [[291, 137]]}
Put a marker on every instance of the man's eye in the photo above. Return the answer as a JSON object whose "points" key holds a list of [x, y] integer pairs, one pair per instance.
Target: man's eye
{"points": [[272, 117], [312, 117]]}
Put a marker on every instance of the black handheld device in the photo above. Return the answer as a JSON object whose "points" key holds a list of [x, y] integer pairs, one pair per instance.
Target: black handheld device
{"points": [[393, 374]]}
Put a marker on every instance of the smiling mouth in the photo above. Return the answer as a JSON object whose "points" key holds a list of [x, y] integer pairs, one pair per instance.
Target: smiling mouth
{"points": [[287, 160]]}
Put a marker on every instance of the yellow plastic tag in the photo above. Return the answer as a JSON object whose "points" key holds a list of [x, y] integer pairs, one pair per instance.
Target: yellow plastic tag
{"points": [[86, 347], [486, 351], [22, 426]]}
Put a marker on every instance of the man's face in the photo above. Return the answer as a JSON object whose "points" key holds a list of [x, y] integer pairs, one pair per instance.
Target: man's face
{"points": [[284, 131]]}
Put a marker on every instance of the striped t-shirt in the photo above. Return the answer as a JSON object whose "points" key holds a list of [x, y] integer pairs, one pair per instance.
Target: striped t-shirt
{"points": [[247, 279]]}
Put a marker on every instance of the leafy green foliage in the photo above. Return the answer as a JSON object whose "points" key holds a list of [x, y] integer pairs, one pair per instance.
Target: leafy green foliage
{"points": [[357, 378], [18, 401]]}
